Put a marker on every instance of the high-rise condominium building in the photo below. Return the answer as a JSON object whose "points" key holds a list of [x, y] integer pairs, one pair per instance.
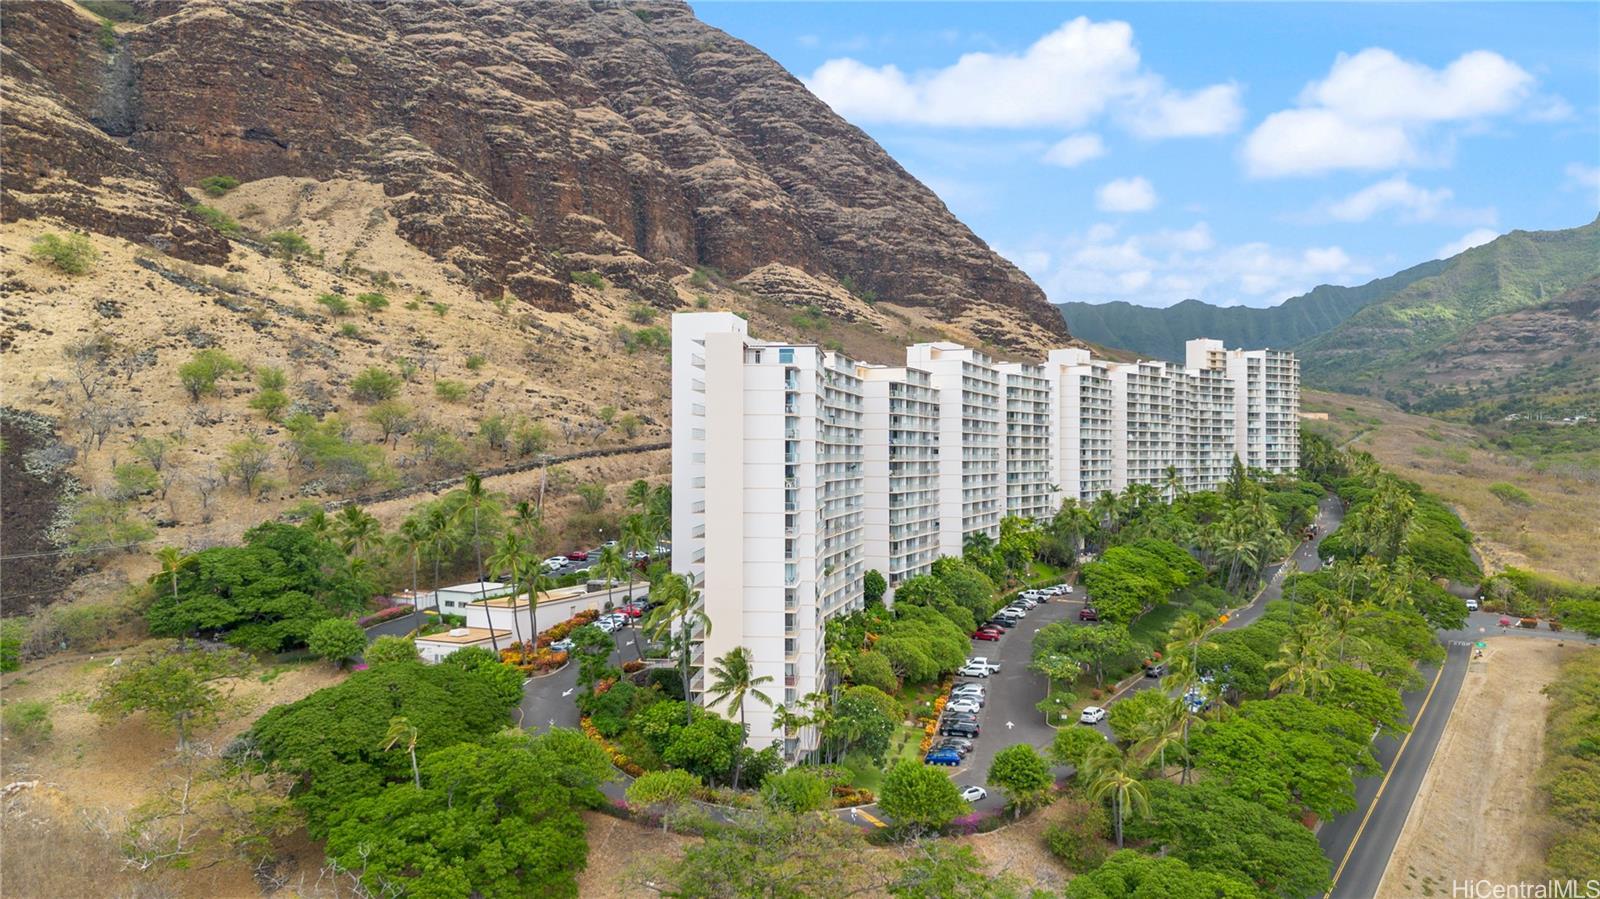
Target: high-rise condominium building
{"points": [[768, 502], [1266, 401], [1029, 490], [796, 470], [971, 430], [1080, 424], [900, 458]]}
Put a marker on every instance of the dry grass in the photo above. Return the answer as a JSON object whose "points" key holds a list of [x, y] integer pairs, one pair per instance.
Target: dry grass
{"points": [[1555, 533]]}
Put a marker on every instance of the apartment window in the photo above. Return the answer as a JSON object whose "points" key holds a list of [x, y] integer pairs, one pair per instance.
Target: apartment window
{"points": [[786, 356]]}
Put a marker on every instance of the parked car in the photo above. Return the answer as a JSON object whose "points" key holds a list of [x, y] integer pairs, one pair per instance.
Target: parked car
{"points": [[1159, 669], [963, 704], [959, 728], [1087, 613], [1016, 610], [630, 611], [1092, 715], [983, 662], [947, 757], [1472, 605], [564, 645], [971, 670], [987, 633], [1003, 621], [578, 555], [959, 744], [973, 794], [555, 562], [1060, 589], [967, 689]]}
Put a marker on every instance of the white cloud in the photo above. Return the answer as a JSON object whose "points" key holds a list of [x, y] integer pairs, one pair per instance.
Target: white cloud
{"points": [[1583, 177], [1398, 193], [1066, 78], [1075, 150], [1126, 195], [1212, 110], [1477, 237], [1162, 267], [1377, 111]]}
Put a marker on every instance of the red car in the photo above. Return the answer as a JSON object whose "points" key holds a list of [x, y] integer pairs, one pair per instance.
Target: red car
{"points": [[1088, 614], [987, 633], [579, 555], [630, 611]]}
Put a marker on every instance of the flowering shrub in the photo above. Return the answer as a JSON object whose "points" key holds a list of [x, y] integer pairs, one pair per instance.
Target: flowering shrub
{"points": [[845, 796], [618, 758], [632, 666], [388, 614], [538, 660], [564, 629]]}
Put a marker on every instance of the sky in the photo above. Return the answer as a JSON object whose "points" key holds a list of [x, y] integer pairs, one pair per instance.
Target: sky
{"points": [[1235, 153]]}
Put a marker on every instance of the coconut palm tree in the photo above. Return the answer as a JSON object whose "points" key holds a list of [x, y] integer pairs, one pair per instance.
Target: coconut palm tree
{"points": [[1113, 772], [637, 495], [402, 732], [1163, 724], [172, 561], [441, 540], [1173, 482], [511, 556], [635, 538], [1303, 660], [410, 538], [357, 530], [475, 503], [733, 680], [676, 614]]}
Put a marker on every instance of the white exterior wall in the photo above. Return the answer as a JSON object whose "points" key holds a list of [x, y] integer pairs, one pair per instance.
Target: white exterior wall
{"points": [[1265, 392], [1026, 457], [971, 425], [1143, 443], [1081, 464], [900, 454]]}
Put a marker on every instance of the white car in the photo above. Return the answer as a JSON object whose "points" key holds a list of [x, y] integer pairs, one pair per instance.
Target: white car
{"points": [[610, 623], [983, 662], [1026, 601], [1472, 605], [973, 671], [555, 562], [963, 704], [1060, 590], [562, 646], [1092, 715], [967, 690], [973, 794]]}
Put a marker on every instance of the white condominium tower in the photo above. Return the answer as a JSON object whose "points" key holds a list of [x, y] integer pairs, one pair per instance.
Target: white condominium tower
{"points": [[796, 470], [971, 428], [1080, 424], [900, 455], [1029, 492], [1266, 401], [767, 502]]}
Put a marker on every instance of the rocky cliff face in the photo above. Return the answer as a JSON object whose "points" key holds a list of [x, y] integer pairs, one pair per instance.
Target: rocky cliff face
{"points": [[517, 141]]}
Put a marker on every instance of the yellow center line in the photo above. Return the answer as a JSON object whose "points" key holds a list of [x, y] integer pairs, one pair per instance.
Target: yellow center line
{"points": [[1385, 782], [870, 818]]}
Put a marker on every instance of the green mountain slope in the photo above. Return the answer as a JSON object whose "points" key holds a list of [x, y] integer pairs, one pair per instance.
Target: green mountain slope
{"points": [[1160, 333], [1377, 349]]}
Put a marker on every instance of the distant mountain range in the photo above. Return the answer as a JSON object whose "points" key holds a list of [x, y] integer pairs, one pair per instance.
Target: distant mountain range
{"points": [[1395, 336]]}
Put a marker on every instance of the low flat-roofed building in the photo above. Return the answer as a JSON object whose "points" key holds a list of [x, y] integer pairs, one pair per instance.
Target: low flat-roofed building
{"points": [[454, 600], [435, 647]]}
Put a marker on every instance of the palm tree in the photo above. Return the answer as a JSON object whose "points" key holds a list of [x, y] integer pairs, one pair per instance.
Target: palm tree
{"points": [[511, 556], [613, 566], [1160, 727], [401, 732], [1112, 772], [357, 530], [527, 521], [316, 523], [677, 611], [638, 495], [1303, 659], [474, 499], [635, 538], [441, 539], [410, 537], [1174, 483], [731, 679], [172, 561]]}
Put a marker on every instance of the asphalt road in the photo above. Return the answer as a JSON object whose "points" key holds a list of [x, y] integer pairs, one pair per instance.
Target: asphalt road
{"points": [[1359, 843]]}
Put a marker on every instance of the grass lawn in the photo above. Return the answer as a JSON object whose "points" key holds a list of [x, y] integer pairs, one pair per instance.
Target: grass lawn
{"points": [[1152, 627]]}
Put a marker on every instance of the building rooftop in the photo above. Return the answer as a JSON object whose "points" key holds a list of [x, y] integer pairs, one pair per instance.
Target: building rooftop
{"points": [[475, 587], [461, 636]]}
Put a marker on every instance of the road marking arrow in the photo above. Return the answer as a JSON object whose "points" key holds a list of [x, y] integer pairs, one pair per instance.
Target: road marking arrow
{"points": [[568, 693]]}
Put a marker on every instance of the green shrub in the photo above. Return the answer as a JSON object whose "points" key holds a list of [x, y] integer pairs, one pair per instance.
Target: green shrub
{"points": [[373, 302], [216, 218], [12, 631], [450, 391], [475, 362], [349, 329], [270, 377], [335, 304], [326, 449], [701, 301], [439, 309], [100, 525], [270, 402], [641, 315], [27, 721], [72, 254], [288, 244], [201, 373], [217, 185], [1510, 494], [589, 279], [375, 385], [134, 479]]}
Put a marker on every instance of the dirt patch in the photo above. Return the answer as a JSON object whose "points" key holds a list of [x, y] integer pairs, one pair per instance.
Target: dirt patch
{"points": [[1477, 811]]}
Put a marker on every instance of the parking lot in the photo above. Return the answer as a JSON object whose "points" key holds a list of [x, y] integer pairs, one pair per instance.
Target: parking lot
{"points": [[1009, 715]]}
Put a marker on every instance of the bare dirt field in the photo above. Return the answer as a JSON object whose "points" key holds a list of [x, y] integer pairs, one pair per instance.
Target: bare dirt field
{"points": [[1477, 813]]}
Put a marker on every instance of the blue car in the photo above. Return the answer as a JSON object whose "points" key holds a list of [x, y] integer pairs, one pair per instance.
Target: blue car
{"points": [[943, 757]]}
